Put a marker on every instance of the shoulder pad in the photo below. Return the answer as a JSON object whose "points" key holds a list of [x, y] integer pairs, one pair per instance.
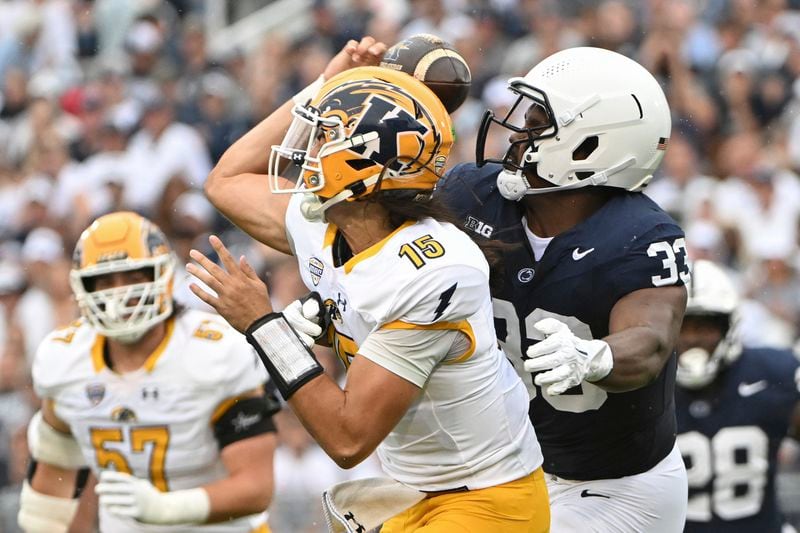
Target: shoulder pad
{"points": [[65, 355], [216, 355], [468, 181]]}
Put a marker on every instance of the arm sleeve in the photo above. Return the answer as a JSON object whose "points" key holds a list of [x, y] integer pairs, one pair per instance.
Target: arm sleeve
{"points": [[244, 418], [411, 354]]}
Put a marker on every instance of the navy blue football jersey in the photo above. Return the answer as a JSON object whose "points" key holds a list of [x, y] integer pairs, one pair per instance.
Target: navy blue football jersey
{"points": [[628, 244], [729, 434]]}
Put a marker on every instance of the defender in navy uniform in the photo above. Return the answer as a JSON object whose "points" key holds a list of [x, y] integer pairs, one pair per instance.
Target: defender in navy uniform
{"points": [[593, 275], [734, 407]]}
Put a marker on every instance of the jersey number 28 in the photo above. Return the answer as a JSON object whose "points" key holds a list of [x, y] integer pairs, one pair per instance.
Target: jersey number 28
{"points": [[735, 461]]}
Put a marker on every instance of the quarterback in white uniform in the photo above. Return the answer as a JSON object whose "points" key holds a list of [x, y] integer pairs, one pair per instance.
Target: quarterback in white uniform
{"points": [[166, 406], [402, 296]]}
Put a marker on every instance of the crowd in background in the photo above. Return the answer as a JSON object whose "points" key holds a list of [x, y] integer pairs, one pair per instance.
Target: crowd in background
{"points": [[120, 104]]}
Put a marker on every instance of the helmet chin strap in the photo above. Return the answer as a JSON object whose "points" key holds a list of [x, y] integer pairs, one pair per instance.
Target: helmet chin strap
{"points": [[513, 185], [314, 209], [129, 338]]}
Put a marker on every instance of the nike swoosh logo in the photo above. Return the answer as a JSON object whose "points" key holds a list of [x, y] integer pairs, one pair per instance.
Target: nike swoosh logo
{"points": [[586, 494], [748, 389], [577, 255]]}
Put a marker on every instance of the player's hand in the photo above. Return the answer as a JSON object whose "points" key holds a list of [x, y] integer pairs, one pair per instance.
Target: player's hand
{"points": [[567, 359], [367, 52], [305, 317], [241, 297], [127, 496], [132, 497]]}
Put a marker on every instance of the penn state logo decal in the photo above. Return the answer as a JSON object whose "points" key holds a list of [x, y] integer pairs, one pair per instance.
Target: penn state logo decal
{"points": [[315, 267], [95, 392], [525, 275]]}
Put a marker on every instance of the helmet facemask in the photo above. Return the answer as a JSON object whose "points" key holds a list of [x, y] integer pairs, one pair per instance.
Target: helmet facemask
{"points": [[697, 367], [127, 312], [514, 121], [714, 299], [123, 242]]}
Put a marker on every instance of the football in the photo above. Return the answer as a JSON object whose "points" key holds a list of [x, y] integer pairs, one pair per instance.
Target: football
{"points": [[434, 62]]}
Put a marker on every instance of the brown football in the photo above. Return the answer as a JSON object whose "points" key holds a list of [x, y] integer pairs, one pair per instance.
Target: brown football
{"points": [[434, 62]]}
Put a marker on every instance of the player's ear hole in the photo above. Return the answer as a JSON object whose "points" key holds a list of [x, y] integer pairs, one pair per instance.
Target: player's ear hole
{"points": [[585, 149], [360, 164]]}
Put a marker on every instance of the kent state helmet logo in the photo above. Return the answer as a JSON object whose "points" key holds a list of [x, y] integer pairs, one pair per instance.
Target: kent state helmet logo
{"points": [[363, 111], [123, 414], [315, 268]]}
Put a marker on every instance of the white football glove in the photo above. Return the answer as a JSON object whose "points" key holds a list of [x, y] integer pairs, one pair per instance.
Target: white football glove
{"points": [[131, 497], [569, 360], [304, 317]]}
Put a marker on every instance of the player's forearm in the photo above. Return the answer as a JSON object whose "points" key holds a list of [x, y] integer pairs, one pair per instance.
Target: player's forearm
{"points": [[639, 356], [47, 502], [237, 496], [344, 435], [54, 481], [250, 154]]}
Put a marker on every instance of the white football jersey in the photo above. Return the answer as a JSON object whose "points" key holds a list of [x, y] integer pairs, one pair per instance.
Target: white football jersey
{"points": [[156, 422], [469, 427]]}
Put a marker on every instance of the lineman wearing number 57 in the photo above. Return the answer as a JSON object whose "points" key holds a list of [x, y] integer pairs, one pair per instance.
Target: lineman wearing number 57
{"points": [[166, 405], [593, 291]]}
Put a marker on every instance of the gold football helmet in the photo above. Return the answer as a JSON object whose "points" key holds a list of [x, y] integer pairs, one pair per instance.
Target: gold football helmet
{"points": [[122, 242], [366, 126]]}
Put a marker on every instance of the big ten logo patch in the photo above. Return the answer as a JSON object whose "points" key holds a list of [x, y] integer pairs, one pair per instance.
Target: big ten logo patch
{"points": [[481, 228]]}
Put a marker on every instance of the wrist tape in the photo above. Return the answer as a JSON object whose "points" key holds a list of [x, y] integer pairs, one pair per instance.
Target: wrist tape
{"points": [[290, 363]]}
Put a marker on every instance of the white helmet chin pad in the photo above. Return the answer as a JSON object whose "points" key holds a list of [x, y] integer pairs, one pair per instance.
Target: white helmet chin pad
{"points": [[512, 185], [696, 368]]}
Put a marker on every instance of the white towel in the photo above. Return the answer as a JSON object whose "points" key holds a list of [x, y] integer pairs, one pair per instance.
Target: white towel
{"points": [[362, 505]]}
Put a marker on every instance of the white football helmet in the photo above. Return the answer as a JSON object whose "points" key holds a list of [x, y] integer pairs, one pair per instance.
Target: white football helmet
{"points": [[711, 294], [122, 242], [608, 124]]}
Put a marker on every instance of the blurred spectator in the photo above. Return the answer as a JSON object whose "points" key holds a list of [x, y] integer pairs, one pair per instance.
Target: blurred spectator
{"points": [[47, 303], [162, 151], [40, 40], [681, 188], [216, 122], [775, 285], [143, 43], [192, 220], [433, 16], [194, 65], [14, 97], [302, 472]]}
